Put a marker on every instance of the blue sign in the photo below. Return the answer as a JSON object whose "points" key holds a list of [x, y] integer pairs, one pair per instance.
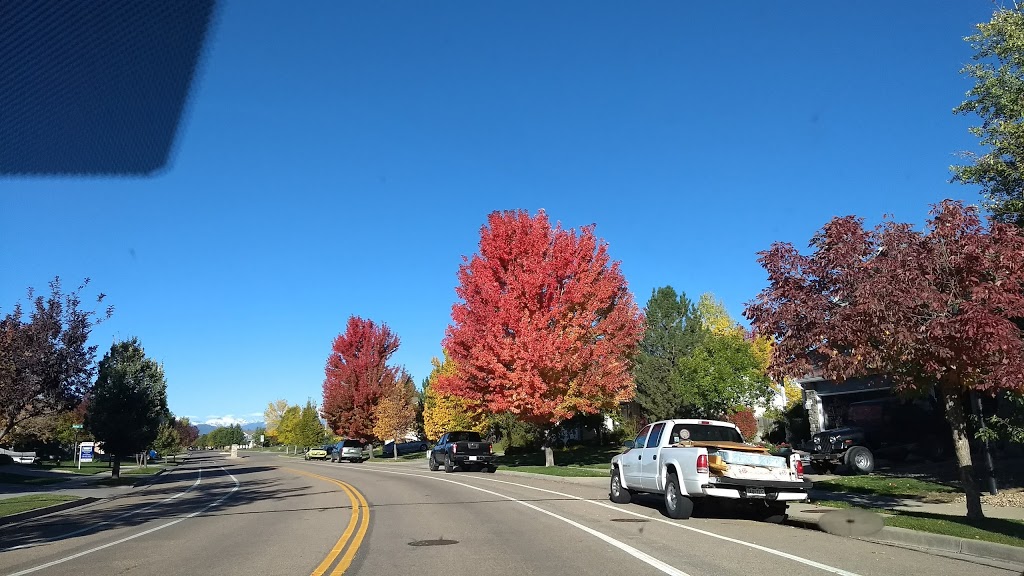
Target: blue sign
{"points": [[86, 455]]}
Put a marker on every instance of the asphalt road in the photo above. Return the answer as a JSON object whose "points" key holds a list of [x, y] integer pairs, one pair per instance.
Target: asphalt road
{"points": [[265, 514]]}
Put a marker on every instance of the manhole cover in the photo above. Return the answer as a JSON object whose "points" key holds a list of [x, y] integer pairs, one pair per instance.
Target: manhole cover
{"points": [[440, 542], [629, 520]]}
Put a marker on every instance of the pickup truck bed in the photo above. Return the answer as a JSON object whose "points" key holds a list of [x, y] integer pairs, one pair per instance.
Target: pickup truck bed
{"points": [[706, 462]]}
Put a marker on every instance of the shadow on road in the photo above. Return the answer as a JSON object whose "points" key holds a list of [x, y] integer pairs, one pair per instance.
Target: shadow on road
{"points": [[128, 511]]}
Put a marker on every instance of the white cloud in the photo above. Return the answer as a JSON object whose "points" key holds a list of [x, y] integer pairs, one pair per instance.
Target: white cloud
{"points": [[226, 420]]}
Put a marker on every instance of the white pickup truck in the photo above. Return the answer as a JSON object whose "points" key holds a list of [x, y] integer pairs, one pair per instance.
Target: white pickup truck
{"points": [[705, 463]]}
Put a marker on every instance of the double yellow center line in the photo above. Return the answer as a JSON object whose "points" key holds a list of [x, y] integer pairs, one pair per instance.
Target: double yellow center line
{"points": [[360, 515]]}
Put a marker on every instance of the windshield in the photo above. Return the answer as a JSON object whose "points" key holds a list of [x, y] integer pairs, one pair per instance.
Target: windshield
{"points": [[704, 433], [464, 437]]}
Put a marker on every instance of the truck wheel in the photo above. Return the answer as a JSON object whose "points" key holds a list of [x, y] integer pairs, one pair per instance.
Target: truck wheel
{"points": [[676, 505], [432, 464], [491, 469], [448, 467], [616, 493], [860, 460]]}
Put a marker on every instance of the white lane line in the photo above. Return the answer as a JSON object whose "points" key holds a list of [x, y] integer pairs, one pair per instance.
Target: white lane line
{"points": [[133, 536], [639, 555], [105, 522], [779, 553]]}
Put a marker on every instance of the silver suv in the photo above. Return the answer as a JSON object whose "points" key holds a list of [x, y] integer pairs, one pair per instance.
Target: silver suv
{"points": [[351, 450]]}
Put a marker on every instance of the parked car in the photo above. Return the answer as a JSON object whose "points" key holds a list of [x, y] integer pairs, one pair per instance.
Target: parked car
{"points": [[411, 447], [318, 453], [351, 450], [463, 449], [886, 428], [706, 462]]}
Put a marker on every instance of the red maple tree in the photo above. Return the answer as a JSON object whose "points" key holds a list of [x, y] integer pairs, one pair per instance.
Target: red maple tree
{"points": [[356, 376], [546, 327], [933, 310]]}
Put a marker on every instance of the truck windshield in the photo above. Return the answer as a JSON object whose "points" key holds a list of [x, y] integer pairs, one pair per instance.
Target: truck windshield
{"points": [[464, 437], [704, 433]]}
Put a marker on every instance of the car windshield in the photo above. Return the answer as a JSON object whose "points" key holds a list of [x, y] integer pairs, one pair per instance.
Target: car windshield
{"points": [[464, 437], [704, 433]]}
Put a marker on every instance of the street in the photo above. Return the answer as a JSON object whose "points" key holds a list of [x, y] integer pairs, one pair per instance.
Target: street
{"points": [[266, 514]]}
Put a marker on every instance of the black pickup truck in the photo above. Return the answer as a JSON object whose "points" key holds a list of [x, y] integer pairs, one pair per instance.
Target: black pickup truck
{"points": [[466, 450]]}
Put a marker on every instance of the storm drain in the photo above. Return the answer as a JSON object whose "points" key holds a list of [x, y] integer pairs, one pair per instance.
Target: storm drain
{"points": [[440, 542], [629, 520]]}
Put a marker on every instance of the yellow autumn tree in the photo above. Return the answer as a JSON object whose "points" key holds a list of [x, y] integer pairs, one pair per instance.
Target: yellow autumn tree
{"points": [[444, 412], [715, 318], [394, 413]]}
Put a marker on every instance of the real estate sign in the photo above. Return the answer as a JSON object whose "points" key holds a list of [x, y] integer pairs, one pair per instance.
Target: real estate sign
{"points": [[85, 453]]}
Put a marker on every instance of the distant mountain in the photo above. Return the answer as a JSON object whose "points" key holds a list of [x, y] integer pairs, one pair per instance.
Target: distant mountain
{"points": [[248, 427]]}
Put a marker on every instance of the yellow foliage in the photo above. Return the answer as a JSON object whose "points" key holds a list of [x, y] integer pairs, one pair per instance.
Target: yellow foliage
{"points": [[394, 414], [444, 412], [715, 317]]}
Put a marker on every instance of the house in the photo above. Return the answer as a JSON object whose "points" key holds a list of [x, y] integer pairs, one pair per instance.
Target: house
{"points": [[827, 401]]}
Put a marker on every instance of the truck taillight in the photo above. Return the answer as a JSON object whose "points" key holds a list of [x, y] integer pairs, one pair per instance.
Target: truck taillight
{"points": [[490, 449], [799, 468], [702, 464], [455, 448]]}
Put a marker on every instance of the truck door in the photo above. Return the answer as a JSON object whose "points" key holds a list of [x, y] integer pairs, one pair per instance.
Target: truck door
{"points": [[631, 459], [650, 467]]}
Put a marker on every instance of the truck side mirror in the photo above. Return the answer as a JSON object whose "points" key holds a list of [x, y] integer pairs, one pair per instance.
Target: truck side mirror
{"points": [[628, 445]]}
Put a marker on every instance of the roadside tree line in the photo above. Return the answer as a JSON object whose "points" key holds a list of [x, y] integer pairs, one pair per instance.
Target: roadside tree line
{"points": [[292, 425], [48, 398]]}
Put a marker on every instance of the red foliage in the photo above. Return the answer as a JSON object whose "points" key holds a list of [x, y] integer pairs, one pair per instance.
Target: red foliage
{"points": [[746, 422], [923, 307], [933, 310], [356, 376], [546, 327]]}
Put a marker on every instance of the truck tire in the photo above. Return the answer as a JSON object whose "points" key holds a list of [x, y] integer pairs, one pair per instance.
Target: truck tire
{"points": [[448, 466], [676, 505], [431, 463], [491, 469], [860, 460], [616, 493]]}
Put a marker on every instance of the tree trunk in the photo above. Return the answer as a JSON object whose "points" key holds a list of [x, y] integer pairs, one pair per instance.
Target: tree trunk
{"points": [[394, 446], [953, 402], [549, 456], [116, 471]]}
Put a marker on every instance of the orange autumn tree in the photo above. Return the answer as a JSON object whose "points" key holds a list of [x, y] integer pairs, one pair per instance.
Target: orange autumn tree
{"points": [[394, 414], [934, 310], [546, 328]]}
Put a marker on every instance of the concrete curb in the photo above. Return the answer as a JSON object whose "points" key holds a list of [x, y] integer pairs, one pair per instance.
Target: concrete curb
{"points": [[928, 542], [585, 480], [45, 511]]}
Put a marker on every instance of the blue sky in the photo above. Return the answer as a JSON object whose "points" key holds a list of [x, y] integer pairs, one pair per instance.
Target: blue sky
{"points": [[340, 159]]}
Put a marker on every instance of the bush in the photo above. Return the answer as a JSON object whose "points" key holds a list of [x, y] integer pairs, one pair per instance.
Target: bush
{"points": [[744, 420], [5, 459]]}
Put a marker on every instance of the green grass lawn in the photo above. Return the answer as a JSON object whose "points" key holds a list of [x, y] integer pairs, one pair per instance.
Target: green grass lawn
{"points": [[891, 486], [94, 467], [21, 504], [8, 478], [577, 461], [995, 530]]}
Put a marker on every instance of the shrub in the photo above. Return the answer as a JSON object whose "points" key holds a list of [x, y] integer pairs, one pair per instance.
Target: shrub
{"points": [[744, 420]]}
